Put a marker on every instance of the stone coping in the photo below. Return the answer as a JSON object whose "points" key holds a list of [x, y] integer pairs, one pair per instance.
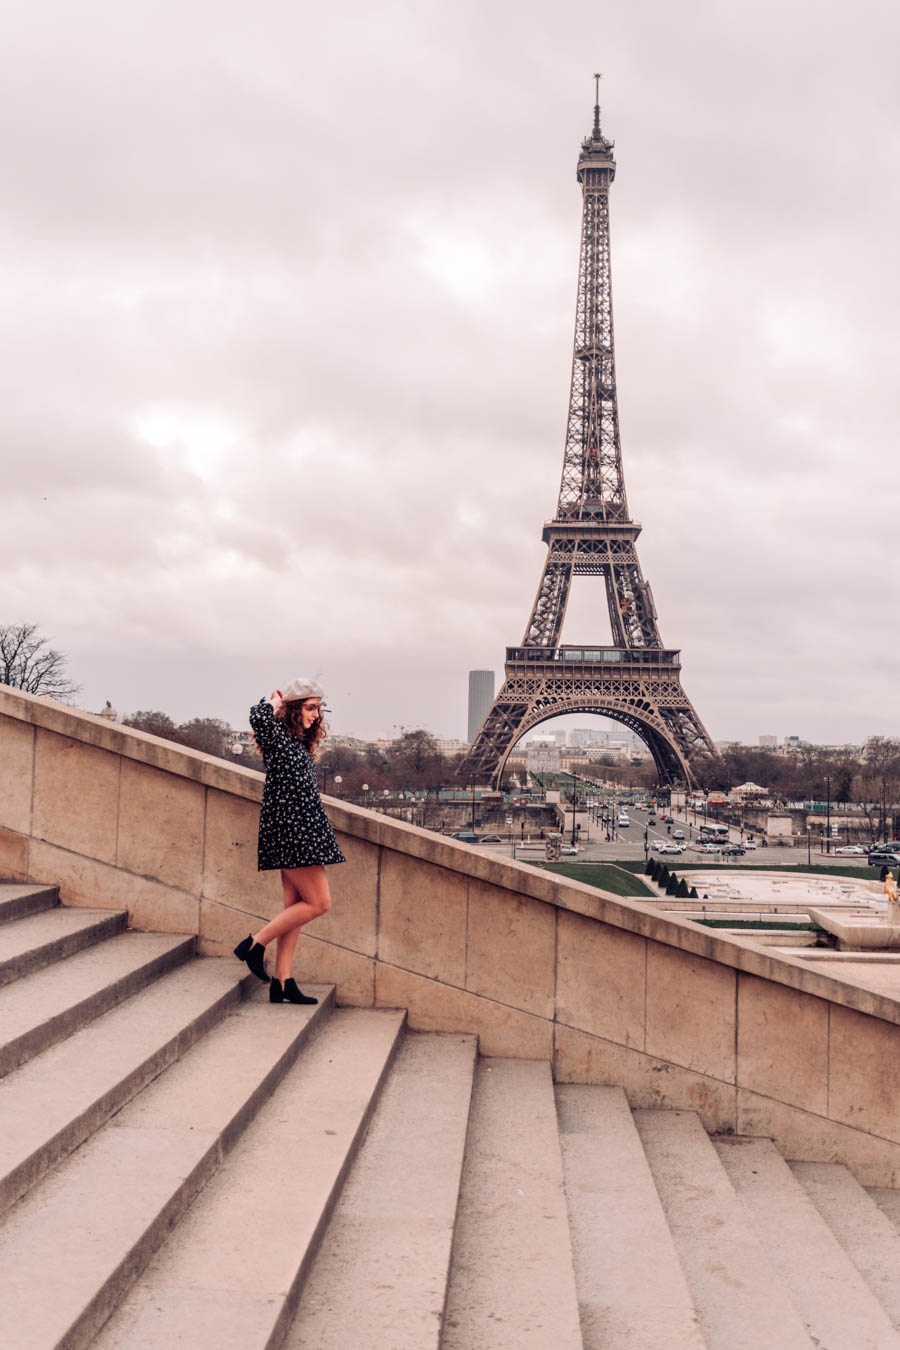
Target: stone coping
{"points": [[740, 953]]}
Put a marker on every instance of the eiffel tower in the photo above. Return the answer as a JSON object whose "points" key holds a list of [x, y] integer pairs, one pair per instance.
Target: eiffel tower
{"points": [[637, 680]]}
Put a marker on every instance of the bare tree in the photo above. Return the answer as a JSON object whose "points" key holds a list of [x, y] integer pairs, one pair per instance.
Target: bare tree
{"points": [[28, 662]]}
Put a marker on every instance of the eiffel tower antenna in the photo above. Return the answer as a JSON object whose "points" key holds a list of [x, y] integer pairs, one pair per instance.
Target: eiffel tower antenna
{"points": [[635, 680]]}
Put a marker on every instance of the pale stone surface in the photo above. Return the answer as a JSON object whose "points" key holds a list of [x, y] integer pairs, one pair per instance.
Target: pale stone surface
{"points": [[742, 1301], [422, 919], [16, 765], [76, 796], [13, 854], [305, 1132], [834, 1301], [864, 1231], [222, 928], [805, 1137], [387, 1248], [511, 949], [55, 1101], [601, 979], [648, 1082], [619, 1230], [783, 1044], [352, 975], [864, 1073], [438, 1007], [18, 901], [230, 873], [28, 944], [351, 921], [161, 826], [82, 881], [691, 1011], [512, 1283], [58, 1000]]}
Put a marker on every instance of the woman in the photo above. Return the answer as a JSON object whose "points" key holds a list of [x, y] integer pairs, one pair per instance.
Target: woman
{"points": [[294, 833]]}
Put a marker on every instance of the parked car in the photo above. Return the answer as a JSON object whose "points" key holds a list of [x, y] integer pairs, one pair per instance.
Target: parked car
{"points": [[672, 847], [850, 850], [883, 858], [748, 843]]}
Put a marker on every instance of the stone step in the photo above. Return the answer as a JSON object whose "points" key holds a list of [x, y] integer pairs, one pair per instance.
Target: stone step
{"points": [[387, 1248], [512, 1281], [54, 1102], [18, 901], [57, 1001], [72, 1247], [741, 1299], [888, 1201], [838, 1308], [619, 1230], [233, 1269], [863, 1230], [28, 944]]}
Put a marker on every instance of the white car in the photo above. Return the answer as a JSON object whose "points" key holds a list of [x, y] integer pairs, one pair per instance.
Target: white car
{"points": [[672, 848], [660, 844], [709, 848], [853, 850], [569, 851], [748, 843]]}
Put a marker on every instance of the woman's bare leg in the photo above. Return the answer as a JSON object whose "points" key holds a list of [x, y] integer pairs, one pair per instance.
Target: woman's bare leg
{"points": [[310, 885]]}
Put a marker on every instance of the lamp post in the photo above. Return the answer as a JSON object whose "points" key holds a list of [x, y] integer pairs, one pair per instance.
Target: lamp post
{"points": [[337, 783], [574, 802], [472, 785], [237, 750], [365, 792], [827, 814]]}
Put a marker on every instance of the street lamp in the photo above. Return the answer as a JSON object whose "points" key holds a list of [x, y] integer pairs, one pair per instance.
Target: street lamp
{"points": [[365, 790], [827, 814], [574, 802], [337, 783]]}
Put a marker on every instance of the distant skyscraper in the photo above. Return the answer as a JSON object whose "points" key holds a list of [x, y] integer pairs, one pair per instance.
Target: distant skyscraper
{"points": [[481, 696]]}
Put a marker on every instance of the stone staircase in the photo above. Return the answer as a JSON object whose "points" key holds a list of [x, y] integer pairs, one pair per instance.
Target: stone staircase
{"points": [[183, 1164]]}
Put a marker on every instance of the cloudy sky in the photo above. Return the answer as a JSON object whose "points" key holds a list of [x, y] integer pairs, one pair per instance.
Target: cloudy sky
{"points": [[286, 343]]}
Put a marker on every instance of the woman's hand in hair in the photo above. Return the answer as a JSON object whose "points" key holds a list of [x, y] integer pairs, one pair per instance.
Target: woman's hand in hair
{"points": [[276, 701]]}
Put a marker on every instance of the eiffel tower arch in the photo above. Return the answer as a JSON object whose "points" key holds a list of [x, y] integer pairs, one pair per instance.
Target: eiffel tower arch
{"points": [[635, 680]]}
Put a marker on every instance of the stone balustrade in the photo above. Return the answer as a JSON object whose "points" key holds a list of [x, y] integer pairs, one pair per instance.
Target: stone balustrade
{"points": [[539, 967]]}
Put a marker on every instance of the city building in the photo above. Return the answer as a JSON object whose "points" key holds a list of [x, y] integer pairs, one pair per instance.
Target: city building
{"points": [[481, 696]]}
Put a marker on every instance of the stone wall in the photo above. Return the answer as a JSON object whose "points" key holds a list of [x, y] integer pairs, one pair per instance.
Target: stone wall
{"points": [[538, 966]]}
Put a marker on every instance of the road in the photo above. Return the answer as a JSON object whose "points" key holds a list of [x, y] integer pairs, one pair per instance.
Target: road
{"points": [[628, 845]]}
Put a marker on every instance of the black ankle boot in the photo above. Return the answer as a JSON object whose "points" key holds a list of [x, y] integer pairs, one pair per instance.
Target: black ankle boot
{"points": [[276, 992], [293, 995], [254, 954]]}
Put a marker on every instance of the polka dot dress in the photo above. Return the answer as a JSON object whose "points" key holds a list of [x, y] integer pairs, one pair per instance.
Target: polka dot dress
{"points": [[294, 830]]}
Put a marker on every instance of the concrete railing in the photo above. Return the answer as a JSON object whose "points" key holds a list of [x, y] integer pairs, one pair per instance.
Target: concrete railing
{"points": [[537, 966]]}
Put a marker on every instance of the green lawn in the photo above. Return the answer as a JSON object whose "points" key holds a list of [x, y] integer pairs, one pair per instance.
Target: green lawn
{"points": [[608, 876]]}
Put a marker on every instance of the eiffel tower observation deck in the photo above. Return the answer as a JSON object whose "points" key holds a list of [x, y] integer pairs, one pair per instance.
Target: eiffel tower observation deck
{"points": [[635, 680]]}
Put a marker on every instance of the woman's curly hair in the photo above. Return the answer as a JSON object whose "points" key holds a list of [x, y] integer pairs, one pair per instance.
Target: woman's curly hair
{"points": [[289, 713]]}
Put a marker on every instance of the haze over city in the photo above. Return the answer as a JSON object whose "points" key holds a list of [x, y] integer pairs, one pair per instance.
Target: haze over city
{"points": [[287, 345]]}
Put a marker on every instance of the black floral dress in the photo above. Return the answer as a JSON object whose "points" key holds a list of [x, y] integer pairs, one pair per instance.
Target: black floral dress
{"points": [[294, 830]]}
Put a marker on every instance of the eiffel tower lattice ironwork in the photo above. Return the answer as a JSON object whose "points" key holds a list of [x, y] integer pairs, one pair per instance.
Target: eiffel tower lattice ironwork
{"points": [[636, 680]]}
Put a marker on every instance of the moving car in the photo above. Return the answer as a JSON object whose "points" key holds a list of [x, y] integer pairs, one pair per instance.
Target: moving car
{"points": [[710, 848], [851, 850], [624, 822], [732, 850], [490, 839], [569, 851], [660, 844], [465, 836], [652, 820], [678, 834], [883, 858], [672, 847], [748, 843]]}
